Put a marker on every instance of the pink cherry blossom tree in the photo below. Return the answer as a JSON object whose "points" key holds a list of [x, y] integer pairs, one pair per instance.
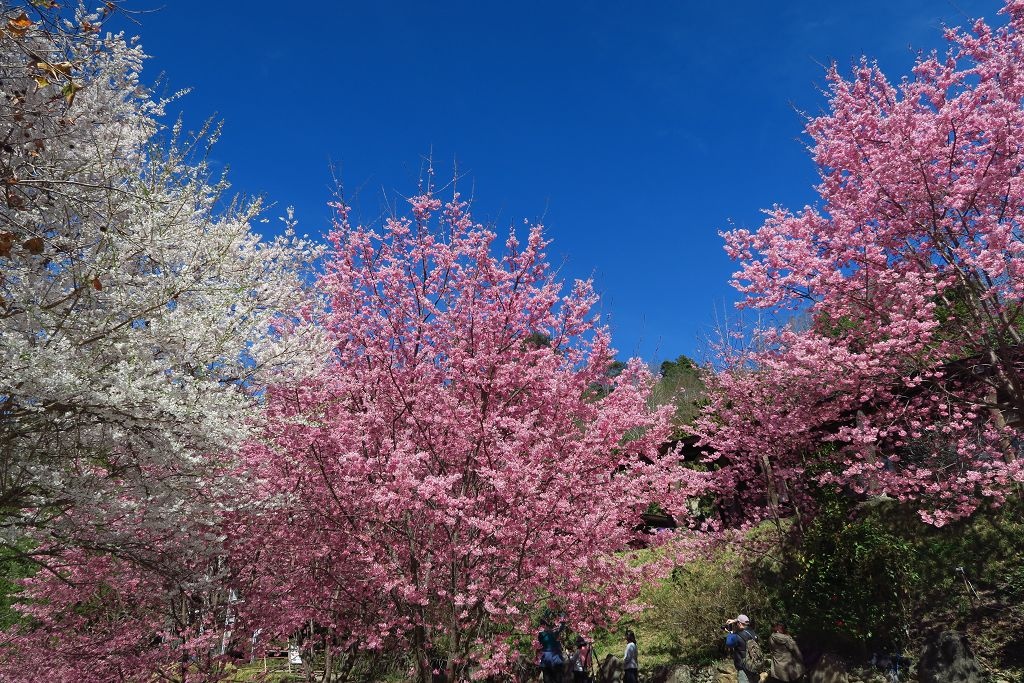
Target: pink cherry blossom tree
{"points": [[96, 618], [908, 379], [464, 459]]}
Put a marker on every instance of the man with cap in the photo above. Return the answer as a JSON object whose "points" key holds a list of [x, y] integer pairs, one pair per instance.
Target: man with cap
{"points": [[740, 634]]}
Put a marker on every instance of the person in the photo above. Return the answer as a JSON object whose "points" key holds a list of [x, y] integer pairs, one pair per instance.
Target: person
{"points": [[551, 659], [631, 670], [737, 641], [584, 661], [787, 662]]}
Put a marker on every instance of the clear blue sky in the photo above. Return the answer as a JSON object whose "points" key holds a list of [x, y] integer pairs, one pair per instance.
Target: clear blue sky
{"points": [[635, 130]]}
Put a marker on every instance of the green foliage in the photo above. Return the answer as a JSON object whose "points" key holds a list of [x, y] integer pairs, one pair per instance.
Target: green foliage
{"points": [[538, 340], [863, 576], [13, 567], [682, 383], [972, 580], [848, 580], [600, 390], [835, 328], [686, 611], [868, 576]]}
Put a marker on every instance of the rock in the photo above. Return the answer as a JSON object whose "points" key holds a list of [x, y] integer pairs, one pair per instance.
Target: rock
{"points": [[670, 674], [829, 669], [680, 674], [872, 677], [658, 675], [702, 675], [947, 658], [610, 670], [866, 674], [724, 672]]}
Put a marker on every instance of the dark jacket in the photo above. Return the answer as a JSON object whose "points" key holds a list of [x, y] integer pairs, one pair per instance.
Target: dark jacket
{"points": [[787, 662], [737, 642]]}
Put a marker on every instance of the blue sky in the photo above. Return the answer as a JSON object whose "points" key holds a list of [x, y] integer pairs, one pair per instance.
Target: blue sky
{"points": [[636, 131]]}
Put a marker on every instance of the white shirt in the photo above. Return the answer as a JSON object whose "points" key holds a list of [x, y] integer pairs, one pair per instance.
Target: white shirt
{"points": [[629, 659]]}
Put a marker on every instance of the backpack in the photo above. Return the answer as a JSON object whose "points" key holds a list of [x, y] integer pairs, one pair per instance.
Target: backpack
{"points": [[753, 658]]}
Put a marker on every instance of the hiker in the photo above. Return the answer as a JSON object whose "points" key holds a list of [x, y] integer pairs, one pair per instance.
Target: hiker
{"points": [[747, 655], [787, 662], [583, 662], [551, 659], [630, 668]]}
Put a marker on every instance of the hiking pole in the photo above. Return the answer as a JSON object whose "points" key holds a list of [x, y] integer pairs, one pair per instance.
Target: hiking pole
{"points": [[971, 593]]}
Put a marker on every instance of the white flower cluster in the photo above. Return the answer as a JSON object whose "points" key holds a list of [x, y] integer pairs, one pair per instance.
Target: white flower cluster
{"points": [[138, 317]]}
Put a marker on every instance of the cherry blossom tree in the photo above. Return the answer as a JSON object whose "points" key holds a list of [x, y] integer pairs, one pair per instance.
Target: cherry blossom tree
{"points": [[139, 316], [464, 459], [134, 314], [908, 379], [97, 618]]}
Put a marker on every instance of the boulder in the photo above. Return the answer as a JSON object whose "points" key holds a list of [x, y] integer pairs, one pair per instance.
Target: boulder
{"points": [[702, 674], [868, 677], [680, 674], [670, 674], [828, 669], [947, 658], [658, 674], [610, 670], [725, 672]]}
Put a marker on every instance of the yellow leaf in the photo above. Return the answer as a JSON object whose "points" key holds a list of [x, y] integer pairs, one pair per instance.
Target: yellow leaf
{"points": [[55, 69], [69, 90], [19, 25], [41, 82]]}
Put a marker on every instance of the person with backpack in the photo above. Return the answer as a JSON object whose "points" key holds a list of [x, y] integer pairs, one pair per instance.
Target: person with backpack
{"points": [[747, 655], [583, 661], [787, 662], [630, 667]]}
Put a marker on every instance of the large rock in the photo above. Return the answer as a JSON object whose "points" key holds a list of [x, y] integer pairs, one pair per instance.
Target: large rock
{"points": [[725, 672], [947, 658], [828, 669], [670, 674], [610, 670], [659, 674], [866, 675], [702, 674], [680, 674]]}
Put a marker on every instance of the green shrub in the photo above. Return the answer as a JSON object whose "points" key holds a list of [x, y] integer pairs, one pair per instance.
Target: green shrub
{"points": [[686, 612], [846, 581]]}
